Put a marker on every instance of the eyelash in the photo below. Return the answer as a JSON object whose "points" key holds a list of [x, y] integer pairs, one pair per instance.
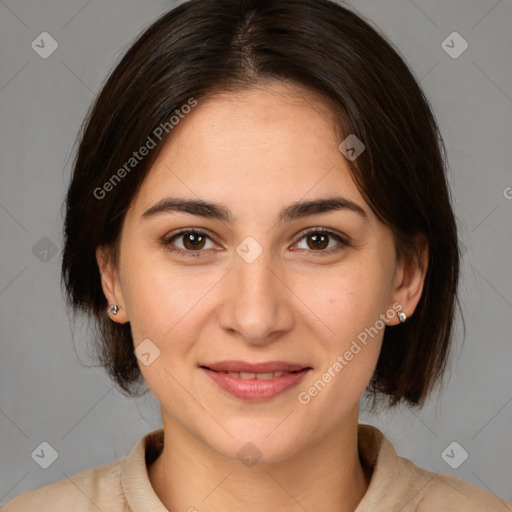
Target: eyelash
{"points": [[167, 242]]}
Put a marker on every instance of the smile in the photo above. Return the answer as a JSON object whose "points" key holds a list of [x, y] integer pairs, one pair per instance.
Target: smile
{"points": [[237, 380], [259, 376]]}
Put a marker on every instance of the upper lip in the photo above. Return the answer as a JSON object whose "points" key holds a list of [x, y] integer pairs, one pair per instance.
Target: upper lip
{"points": [[243, 366]]}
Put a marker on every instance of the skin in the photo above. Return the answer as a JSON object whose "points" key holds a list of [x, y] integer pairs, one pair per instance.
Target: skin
{"points": [[292, 303]]}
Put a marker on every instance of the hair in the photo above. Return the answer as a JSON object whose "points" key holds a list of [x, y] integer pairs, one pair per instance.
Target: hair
{"points": [[203, 47]]}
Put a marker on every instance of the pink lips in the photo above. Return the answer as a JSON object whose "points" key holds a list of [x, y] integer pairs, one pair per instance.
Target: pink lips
{"points": [[255, 382]]}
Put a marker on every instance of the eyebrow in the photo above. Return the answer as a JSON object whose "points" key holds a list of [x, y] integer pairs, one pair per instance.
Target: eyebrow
{"points": [[292, 212]]}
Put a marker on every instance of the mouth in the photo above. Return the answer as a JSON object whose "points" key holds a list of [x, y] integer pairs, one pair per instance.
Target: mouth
{"points": [[251, 375], [255, 382]]}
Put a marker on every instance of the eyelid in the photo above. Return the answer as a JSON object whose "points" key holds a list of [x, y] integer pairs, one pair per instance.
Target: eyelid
{"points": [[182, 231]]}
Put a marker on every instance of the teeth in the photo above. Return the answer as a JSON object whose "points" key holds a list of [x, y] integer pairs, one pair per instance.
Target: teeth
{"points": [[265, 376], [259, 376]]}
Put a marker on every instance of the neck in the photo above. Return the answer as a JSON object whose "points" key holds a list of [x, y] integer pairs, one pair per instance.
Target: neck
{"points": [[328, 475]]}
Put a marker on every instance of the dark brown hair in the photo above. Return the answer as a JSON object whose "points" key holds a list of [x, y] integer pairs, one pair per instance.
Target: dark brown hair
{"points": [[205, 46]]}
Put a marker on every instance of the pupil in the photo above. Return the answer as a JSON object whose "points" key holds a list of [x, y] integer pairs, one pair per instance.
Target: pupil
{"points": [[194, 239], [318, 240]]}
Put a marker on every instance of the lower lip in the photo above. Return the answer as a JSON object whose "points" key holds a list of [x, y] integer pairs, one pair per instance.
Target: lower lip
{"points": [[256, 390]]}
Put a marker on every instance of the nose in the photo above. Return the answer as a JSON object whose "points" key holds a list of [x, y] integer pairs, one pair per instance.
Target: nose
{"points": [[257, 304]]}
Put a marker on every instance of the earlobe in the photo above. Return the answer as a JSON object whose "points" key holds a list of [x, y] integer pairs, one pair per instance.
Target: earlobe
{"points": [[111, 286], [411, 279]]}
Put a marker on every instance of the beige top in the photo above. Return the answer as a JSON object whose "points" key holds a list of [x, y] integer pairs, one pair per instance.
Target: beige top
{"points": [[396, 484]]}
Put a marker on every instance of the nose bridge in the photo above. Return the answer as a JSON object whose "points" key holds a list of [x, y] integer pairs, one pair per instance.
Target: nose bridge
{"points": [[255, 277], [252, 268], [257, 305]]}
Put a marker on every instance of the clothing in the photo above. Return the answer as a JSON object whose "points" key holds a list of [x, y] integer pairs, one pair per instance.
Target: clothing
{"points": [[396, 484]]}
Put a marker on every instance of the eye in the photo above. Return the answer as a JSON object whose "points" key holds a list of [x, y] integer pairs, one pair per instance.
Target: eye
{"points": [[318, 240], [192, 242]]}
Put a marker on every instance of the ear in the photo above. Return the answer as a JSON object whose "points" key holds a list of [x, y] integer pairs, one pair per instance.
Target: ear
{"points": [[410, 278], [111, 284]]}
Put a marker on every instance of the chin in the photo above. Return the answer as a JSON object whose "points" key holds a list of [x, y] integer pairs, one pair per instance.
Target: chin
{"points": [[252, 444], [258, 453]]}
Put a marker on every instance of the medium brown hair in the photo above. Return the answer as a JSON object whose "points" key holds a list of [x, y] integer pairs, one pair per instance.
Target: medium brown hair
{"points": [[205, 46]]}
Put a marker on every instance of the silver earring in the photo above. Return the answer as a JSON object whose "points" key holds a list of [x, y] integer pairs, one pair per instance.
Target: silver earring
{"points": [[113, 309], [402, 317]]}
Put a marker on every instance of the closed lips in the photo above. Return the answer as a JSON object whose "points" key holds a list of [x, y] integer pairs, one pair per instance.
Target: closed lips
{"points": [[242, 367], [261, 371], [260, 376]]}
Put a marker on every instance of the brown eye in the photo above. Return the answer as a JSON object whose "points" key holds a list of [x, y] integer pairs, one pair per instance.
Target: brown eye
{"points": [[190, 242], [319, 240], [193, 240]]}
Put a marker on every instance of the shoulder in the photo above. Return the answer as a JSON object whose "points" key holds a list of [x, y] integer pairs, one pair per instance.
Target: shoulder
{"points": [[397, 483], [438, 492], [95, 489]]}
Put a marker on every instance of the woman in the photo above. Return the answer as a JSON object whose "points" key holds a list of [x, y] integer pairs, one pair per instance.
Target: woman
{"points": [[269, 235]]}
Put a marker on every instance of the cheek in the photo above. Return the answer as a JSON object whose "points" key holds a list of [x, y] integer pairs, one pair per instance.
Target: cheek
{"points": [[170, 308], [354, 310], [159, 298], [167, 310], [354, 300], [150, 305], [343, 375]]}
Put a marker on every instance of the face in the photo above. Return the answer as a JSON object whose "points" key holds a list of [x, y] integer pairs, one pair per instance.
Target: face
{"points": [[257, 286]]}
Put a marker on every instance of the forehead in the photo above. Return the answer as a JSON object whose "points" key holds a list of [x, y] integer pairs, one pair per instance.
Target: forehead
{"points": [[262, 148]]}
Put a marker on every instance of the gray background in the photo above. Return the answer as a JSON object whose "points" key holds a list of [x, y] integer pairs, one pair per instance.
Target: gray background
{"points": [[48, 394]]}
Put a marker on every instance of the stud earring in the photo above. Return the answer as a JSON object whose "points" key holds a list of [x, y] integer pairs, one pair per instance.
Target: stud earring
{"points": [[113, 309], [402, 317]]}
